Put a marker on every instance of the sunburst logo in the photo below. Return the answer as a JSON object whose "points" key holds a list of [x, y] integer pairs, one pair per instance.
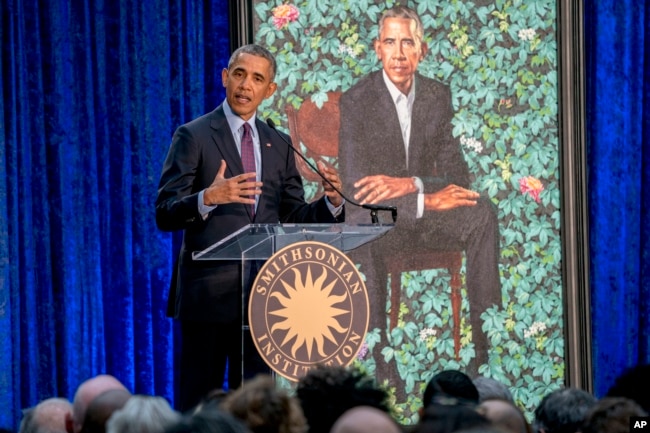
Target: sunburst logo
{"points": [[308, 306]]}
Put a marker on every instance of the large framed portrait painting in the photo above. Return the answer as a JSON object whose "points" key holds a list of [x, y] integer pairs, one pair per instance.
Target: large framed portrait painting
{"points": [[492, 283]]}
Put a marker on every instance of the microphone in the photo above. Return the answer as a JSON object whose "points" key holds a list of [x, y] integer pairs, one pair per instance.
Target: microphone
{"points": [[373, 208]]}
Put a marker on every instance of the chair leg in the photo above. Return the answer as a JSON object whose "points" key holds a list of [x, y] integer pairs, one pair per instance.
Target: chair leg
{"points": [[455, 308], [395, 287]]}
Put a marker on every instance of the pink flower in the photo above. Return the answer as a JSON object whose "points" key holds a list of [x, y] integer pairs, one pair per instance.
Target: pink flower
{"points": [[284, 14], [531, 185]]}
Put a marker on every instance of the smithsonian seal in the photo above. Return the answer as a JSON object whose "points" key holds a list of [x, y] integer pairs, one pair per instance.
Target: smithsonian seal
{"points": [[308, 306]]}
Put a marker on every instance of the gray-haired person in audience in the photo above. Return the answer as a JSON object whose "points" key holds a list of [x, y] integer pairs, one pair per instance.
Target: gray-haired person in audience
{"points": [[491, 388], [48, 416], [143, 414], [563, 411]]}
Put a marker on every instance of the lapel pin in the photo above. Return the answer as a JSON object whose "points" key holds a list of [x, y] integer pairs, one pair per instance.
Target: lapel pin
{"points": [[268, 144]]}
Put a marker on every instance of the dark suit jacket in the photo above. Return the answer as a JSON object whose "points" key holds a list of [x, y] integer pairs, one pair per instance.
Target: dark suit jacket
{"points": [[371, 140], [209, 290]]}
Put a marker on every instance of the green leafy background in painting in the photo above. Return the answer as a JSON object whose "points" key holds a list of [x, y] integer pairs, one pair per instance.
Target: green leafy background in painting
{"points": [[500, 60]]}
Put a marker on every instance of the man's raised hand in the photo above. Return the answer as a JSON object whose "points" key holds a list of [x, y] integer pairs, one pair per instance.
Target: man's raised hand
{"points": [[237, 189]]}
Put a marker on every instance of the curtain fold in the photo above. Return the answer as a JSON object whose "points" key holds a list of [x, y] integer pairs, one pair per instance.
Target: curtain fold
{"points": [[91, 94], [618, 120]]}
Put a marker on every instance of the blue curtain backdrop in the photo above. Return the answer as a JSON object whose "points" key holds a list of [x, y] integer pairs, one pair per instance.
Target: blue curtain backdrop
{"points": [[618, 131], [91, 93]]}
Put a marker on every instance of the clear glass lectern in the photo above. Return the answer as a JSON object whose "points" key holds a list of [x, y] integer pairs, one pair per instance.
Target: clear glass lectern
{"points": [[256, 242]]}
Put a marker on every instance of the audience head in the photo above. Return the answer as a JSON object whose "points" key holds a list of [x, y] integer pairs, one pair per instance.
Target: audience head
{"points": [[142, 414], [449, 414], [489, 388], [326, 392], [212, 399], [449, 383], [101, 408], [86, 392], [365, 419], [563, 411], [611, 415], [481, 429], [627, 385], [48, 416], [504, 415], [208, 419], [264, 408]]}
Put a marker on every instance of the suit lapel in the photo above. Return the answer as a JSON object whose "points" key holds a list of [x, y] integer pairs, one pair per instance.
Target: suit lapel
{"points": [[420, 121], [392, 143], [225, 143]]}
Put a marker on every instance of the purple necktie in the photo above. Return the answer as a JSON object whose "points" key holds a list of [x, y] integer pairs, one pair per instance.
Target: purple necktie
{"points": [[248, 155]]}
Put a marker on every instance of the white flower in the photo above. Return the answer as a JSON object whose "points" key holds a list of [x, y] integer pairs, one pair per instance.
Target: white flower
{"points": [[344, 49], [526, 34], [472, 143], [535, 329], [426, 333]]}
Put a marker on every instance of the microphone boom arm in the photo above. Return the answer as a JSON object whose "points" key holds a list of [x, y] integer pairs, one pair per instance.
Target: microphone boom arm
{"points": [[374, 208]]}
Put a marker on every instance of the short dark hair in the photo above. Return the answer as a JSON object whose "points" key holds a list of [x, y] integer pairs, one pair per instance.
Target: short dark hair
{"points": [[449, 416], [255, 50], [611, 415], [326, 392], [451, 383], [563, 410], [207, 420], [627, 385]]}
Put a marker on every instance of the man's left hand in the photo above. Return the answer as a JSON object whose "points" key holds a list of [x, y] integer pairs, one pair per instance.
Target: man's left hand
{"points": [[332, 175]]}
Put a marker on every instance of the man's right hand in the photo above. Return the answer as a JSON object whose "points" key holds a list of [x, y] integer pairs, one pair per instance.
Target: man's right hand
{"points": [[238, 189], [378, 188], [450, 197]]}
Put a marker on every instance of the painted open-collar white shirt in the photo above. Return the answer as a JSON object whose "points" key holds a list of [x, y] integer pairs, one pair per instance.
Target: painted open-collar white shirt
{"points": [[404, 106]]}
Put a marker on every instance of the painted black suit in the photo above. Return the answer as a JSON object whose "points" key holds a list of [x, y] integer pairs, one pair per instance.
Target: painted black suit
{"points": [[371, 143], [205, 294]]}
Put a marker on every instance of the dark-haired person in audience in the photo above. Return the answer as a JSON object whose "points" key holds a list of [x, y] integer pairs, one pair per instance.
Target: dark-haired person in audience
{"points": [[448, 415], [505, 415], [48, 416], [449, 383], [213, 398], [85, 393], [491, 388], [562, 411], [365, 419], [612, 415], [264, 408], [326, 392], [102, 407], [627, 385], [142, 414], [209, 419]]}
